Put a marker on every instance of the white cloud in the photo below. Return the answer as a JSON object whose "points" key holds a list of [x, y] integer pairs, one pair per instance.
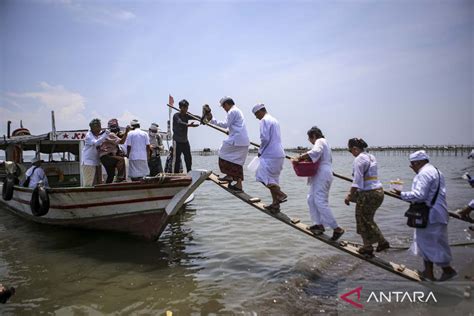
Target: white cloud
{"points": [[95, 12], [37, 105], [34, 109]]}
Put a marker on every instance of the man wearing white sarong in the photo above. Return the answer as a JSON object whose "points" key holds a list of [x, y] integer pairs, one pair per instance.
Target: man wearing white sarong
{"points": [[320, 184], [271, 155], [90, 153], [234, 149], [138, 151], [431, 243]]}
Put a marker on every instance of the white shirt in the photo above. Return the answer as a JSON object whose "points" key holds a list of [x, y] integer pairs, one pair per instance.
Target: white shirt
{"points": [[423, 189], [364, 171], [36, 177], [90, 153], [236, 124], [270, 138], [322, 152], [138, 141]]}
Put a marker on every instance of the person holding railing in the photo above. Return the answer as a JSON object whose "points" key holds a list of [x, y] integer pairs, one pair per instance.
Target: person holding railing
{"points": [[367, 192], [234, 150]]}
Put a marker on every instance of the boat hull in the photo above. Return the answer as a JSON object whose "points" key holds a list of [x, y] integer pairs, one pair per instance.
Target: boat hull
{"points": [[140, 209]]}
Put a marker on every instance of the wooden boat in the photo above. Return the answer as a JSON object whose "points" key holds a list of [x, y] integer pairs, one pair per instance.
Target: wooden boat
{"points": [[142, 208]]}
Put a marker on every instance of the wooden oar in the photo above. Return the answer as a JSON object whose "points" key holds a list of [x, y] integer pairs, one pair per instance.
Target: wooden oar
{"points": [[220, 129]]}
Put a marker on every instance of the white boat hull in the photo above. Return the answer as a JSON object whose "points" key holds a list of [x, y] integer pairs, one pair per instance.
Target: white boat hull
{"points": [[141, 209]]}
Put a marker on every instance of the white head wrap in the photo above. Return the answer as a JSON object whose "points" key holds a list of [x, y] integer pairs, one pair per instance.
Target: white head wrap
{"points": [[258, 107], [419, 155], [134, 122], [224, 99]]}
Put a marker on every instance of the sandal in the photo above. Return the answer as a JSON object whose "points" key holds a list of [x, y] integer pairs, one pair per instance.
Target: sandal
{"points": [[366, 250], [272, 208], [447, 276], [382, 246], [336, 235], [234, 188], [225, 179], [423, 275], [283, 199], [316, 229]]}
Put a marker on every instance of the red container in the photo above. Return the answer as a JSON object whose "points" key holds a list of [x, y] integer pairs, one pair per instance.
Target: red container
{"points": [[305, 168]]}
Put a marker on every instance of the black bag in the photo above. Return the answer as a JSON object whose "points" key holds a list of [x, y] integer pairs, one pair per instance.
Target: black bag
{"points": [[27, 181], [418, 213]]}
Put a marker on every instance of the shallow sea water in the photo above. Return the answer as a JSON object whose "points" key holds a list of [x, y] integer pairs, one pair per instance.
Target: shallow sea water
{"points": [[222, 256]]}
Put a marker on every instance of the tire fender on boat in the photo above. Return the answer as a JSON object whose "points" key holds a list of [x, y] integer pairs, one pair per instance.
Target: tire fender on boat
{"points": [[39, 203], [8, 186]]}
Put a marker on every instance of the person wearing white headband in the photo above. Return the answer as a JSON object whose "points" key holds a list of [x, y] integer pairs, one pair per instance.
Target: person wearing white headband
{"points": [[271, 155], [234, 149], [138, 151], [431, 242]]}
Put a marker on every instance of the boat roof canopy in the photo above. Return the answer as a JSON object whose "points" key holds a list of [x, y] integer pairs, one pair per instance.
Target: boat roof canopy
{"points": [[62, 141]]}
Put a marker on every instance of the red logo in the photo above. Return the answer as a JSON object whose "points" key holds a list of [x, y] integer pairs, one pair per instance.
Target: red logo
{"points": [[348, 300]]}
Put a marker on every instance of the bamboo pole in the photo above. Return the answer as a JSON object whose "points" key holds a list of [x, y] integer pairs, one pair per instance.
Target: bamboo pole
{"points": [[222, 130]]}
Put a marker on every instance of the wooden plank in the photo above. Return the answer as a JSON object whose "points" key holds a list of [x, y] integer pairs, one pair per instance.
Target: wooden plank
{"points": [[348, 247]]}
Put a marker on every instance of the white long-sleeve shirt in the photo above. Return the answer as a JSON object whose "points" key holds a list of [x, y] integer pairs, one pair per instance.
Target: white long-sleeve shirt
{"points": [[270, 138], [423, 189], [235, 122], [364, 171], [90, 152], [36, 176]]}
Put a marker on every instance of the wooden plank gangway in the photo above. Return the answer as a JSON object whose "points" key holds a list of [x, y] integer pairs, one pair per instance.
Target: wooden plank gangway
{"points": [[410, 148], [346, 246]]}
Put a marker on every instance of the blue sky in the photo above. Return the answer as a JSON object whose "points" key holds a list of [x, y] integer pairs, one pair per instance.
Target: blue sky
{"points": [[391, 72]]}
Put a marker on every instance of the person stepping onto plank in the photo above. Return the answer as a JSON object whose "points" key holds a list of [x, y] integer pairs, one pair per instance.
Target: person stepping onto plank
{"points": [[271, 155], [234, 149], [430, 242], [367, 192], [320, 183]]}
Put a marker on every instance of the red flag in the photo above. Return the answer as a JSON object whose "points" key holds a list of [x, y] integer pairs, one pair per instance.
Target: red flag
{"points": [[171, 100]]}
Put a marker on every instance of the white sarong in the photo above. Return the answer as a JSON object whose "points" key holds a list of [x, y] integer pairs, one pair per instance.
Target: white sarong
{"points": [[234, 154], [318, 197], [431, 243], [269, 170], [138, 168]]}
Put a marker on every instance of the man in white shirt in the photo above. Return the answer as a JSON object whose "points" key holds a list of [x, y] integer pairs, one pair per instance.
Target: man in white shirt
{"points": [[35, 174], [431, 243], [234, 149], [90, 158], [138, 151], [271, 155]]}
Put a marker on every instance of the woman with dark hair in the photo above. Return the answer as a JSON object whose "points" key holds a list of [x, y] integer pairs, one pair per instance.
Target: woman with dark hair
{"points": [[367, 192], [320, 184]]}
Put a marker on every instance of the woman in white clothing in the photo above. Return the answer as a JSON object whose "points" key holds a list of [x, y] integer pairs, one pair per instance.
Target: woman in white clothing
{"points": [[320, 184]]}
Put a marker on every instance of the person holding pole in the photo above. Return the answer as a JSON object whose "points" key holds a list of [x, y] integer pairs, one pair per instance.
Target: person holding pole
{"points": [[430, 242], [367, 192], [320, 184], [180, 136], [271, 155], [234, 149]]}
